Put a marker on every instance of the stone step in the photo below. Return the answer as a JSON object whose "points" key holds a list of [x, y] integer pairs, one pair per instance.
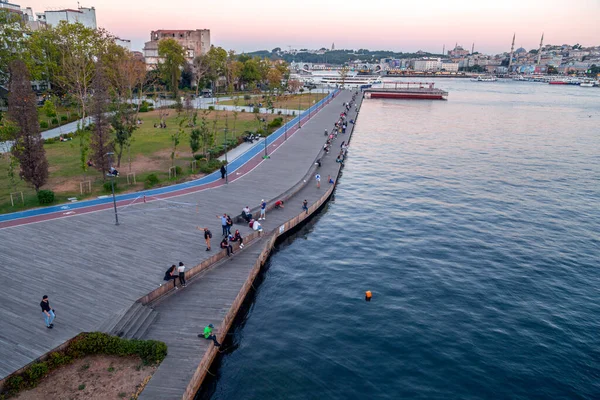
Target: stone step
{"points": [[109, 324], [129, 315], [141, 331], [136, 322]]}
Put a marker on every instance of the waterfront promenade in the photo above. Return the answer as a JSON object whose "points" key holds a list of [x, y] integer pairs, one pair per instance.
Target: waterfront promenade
{"points": [[93, 270], [215, 295]]}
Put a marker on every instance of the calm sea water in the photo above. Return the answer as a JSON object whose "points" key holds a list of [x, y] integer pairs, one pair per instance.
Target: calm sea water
{"points": [[475, 223]]}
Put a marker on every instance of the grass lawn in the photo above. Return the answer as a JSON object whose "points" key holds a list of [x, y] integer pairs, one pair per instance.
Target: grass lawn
{"points": [[150, 153], [289, 101]]}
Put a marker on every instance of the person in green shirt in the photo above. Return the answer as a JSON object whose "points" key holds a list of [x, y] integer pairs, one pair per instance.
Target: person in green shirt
{"points": [[208, 335]]}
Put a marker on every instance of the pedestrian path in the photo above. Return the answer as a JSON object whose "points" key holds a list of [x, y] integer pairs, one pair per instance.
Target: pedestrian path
{"points": [[209, 297], [93, 270], [237, 167]]}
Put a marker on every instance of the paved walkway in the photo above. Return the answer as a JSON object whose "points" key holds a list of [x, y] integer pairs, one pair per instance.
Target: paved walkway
{"points": [[237, 168], [93, 270], [209, 297]]}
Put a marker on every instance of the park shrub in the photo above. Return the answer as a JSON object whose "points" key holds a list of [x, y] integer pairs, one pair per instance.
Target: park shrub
{"points": [[199, 157], [276, 123], [145, 106], [211, 108], [150, 108], [45, 196], [44, 125], [50, 141], [54, 121], [243, 110], [63, 118], [256, 110], [151, 180], [35, 372], [58, 358], [150, 352], [107, 186], [178, 170], [15, 383]]}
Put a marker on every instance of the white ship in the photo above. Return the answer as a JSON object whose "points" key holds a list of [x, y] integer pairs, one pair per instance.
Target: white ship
{"points": [[352, 80], [483, 78]]}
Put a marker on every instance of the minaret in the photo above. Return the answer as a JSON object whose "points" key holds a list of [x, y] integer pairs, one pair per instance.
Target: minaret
{"points": [[444, 50], [332, 46], [473, 48], [540, 49], [510, 57]]}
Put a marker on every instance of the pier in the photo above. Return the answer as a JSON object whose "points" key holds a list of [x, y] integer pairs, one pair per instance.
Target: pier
{"points": [[406, 90], [108, 278]]}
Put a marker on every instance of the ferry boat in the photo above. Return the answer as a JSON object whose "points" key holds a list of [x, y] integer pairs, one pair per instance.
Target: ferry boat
{"points": [[406, 90], [484, 78], [351, 81], [587, 83]]}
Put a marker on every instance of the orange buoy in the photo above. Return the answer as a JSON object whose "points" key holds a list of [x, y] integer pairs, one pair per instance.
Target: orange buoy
{"points": [[368, 295]]}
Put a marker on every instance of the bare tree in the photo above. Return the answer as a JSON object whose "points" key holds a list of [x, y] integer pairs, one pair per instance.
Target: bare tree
{"points": [[100, 141]]}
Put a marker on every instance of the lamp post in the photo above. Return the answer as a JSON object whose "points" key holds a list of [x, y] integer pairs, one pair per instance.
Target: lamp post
{"points": [[285, 126], [226, 162], [299, 117], [266, 155], [112, 184]]}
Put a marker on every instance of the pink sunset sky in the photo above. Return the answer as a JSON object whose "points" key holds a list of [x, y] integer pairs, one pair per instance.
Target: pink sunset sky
{"points": [[352, 24]]}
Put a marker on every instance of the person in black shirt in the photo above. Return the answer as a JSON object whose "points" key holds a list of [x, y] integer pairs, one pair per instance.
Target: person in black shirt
{"points": [[47, 312]]}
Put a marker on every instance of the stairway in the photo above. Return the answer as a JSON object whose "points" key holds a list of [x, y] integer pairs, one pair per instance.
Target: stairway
{"points": [[131, 323]]}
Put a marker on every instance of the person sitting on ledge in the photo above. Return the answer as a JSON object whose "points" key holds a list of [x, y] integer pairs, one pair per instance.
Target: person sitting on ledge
{"points": [[225, 245], [208, 335], [246, 214], [237, 237], [279, 204], [254, 224]]}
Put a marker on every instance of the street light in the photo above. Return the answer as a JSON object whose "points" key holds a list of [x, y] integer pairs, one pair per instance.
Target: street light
{"points": [[266, 155], [112, 184], [299, 117], [226, 162], [309, 105]]}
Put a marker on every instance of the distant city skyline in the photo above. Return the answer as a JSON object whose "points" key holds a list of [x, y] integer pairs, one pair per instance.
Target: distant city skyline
{"points": [[376, 25]]}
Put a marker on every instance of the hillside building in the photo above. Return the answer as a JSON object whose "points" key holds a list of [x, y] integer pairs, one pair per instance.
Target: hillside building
{"points": [[195, 43]]}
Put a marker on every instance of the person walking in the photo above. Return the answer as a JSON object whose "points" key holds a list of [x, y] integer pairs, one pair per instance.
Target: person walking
{"points": [[208, 335], [225, 245], [223, 223], [318, 179], [223, 171], [47, 312], [305, 205], [263, 210], [181, 270]]}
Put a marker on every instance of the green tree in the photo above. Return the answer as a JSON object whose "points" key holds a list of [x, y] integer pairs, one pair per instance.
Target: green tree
{"points": [[12, 41], [250, 73], [195, 140], [49, 110], [172, 59], [551, 70], [217, 59], [28, 146], [176, 138]]}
